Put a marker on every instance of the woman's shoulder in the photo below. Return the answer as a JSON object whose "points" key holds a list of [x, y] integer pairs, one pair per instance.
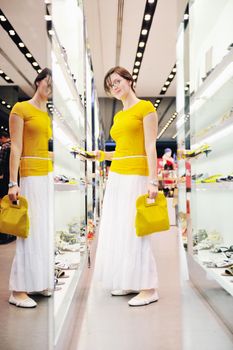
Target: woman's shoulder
{"points": [[146, 106]]}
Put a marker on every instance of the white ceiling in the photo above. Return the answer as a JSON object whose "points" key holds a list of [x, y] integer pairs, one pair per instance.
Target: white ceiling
{"points": [[160, 55], [28, 20]]}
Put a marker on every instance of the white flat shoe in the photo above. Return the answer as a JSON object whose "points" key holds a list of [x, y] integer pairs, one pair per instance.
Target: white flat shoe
{"points": [[140, 301], [119, 292], [25, 303]]}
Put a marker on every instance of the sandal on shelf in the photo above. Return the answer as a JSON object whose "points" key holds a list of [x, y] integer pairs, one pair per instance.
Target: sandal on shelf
{"points": [[228, 272], [219, 249], [60, 273], [67, 266], [219, 264]]}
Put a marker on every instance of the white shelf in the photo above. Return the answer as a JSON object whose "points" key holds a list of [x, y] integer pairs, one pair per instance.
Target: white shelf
{"points": [[215, 273], [228, 186], [213, 76], [214, 131], [66, 187]]}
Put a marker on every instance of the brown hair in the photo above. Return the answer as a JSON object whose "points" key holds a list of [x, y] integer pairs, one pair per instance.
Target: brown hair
{"points": [[42, 75], [122, 72]]}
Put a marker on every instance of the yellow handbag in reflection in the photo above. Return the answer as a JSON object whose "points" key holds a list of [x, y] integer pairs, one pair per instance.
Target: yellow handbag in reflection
{"points": [[151, 217], [14, 218]]}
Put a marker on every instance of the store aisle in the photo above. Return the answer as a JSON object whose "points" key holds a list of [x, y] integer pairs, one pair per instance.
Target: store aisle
{"points": [[181, 320]]}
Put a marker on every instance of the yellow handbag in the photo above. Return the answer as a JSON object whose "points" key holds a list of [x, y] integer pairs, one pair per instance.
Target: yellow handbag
{"points": [[14, 218], [151, 217]]}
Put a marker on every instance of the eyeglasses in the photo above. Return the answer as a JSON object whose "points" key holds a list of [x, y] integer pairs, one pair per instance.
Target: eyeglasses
{"points": [[115, 84]]}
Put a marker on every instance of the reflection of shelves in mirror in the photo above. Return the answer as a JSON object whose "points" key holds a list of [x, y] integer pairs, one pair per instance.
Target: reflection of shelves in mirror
{"points": [[216, 132], [215, 273], [220, 76], [58, 52], [228, 186], [66, 187]]}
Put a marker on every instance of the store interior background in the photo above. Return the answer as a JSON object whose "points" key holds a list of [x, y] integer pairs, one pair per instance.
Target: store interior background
{"points": [[112, 32]]}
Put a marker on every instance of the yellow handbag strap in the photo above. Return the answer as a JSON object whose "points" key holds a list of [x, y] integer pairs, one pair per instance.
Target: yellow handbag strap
{"points": [[21, 203]]}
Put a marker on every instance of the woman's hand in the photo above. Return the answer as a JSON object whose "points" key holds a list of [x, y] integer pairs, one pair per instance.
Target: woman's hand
{"points": [[152, 191], [13, 193]]}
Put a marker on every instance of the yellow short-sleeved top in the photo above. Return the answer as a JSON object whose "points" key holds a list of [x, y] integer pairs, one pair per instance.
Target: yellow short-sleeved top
{"points": [[127, 131], [36, 134]]}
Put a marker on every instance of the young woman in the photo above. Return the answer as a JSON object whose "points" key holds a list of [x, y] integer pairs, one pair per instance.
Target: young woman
{"points": [[30, 131], [125, 262]]}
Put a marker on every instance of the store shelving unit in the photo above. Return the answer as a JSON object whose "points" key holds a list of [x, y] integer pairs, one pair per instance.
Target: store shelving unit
{"points": [[205, 117], [75, 123]]}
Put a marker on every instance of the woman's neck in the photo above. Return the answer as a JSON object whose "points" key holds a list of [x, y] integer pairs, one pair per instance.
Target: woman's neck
{"points": [[38, 102], [129, 100]]}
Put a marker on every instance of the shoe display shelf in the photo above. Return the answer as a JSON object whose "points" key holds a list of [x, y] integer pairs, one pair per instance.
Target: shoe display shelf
{"points": [[214, 273], [205, 79], [69, 111]]}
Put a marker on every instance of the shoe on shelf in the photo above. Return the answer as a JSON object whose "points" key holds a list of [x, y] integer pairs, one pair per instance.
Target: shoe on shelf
{"points": [[212, 178], [120, 292], [141, 300], [24, 303]]}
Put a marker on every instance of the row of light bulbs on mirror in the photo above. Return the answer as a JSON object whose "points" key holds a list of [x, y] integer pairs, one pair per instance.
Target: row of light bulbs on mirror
{"points": [[172, 118], [27, 54]]}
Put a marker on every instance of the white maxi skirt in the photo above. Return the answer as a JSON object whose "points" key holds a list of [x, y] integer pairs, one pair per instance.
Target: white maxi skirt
{"points": [[32, 268], [123, 260]]}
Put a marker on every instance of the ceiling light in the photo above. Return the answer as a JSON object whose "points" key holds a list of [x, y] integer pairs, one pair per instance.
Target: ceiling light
{"points": [[35, 64], [12, 32], [156, 104], [51, 32], [28, 55], [186, 88], [167, 83], [135, 70], [139, 54], [137, 63], [171, 76], [141, 44], [1, 71], [2, 18], [2, 127], [164, 88], [147, 17], [186, 16], [174, 70], [21, 44], [144, 31], [157, 101], [8, 106], [135, 77], [39, 70], [7, 78], [3, 102], [151, 1]]}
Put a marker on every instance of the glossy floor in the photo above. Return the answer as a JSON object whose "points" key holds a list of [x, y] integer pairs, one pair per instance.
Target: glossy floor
{"points": [[181, 320]]}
